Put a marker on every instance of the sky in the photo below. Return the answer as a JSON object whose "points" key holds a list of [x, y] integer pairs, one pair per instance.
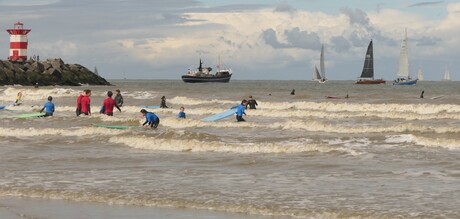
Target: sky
{"points": [[258, 40]]}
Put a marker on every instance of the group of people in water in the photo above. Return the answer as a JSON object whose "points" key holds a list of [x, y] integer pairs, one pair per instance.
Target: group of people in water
{"points": [[151, 119]]}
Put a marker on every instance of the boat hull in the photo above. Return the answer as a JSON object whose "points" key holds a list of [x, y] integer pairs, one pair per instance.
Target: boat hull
{"points": [[198, 79], [411, 82], [380, 81]]}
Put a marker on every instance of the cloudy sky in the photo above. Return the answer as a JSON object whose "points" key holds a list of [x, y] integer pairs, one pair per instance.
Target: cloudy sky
{"points": [[258, 39]]}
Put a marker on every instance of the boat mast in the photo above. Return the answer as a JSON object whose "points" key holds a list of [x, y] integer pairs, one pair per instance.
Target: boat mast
{"points": [[403, 71]]}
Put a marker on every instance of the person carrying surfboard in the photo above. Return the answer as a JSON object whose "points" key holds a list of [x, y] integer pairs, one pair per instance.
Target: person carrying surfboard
{"points": [[240, 111], [108, 104], [48, 107], [151, 119]]}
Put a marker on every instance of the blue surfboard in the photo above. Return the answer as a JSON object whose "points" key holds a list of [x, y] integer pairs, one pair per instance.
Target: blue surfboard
{"points": [[150, 107], [221, 115], [2, 107]]}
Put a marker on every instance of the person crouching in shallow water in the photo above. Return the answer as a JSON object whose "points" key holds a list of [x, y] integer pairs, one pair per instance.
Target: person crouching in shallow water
{"points": [[49, 107], [151, 119], [108, 104], [240, 111], [252, 103]]}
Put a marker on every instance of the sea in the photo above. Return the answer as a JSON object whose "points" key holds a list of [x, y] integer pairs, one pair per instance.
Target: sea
{"points": [[383, 152]]}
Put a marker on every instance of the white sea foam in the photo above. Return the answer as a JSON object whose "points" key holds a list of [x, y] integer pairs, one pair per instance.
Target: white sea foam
{"points": [[179, 100], [30, 132], [9, 94], [424, 141], [153, 143]]}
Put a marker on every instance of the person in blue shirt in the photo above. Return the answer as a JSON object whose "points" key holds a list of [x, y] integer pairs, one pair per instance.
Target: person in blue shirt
{"points": [[49, 107], [181, 114], [240, 111], [151, 119]]}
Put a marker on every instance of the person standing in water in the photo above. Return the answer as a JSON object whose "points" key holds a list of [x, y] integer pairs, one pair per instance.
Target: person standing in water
{"points": [[109, 103], [163, 102], [251, 103], [421, 95], [86, 103], [48, 107], [293, 92], [118, 98], [240, 111], [78, 110], [181, 114], [18, 99], [151, 119]]}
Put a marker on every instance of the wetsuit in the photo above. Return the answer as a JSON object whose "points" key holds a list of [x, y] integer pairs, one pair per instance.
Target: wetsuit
{"points": [[252, 104], [181, 115], [239, 113], [152, 120], [109, 103], [49, 108], [78, 110], [119, 100], [163, 104], [85, 105]]}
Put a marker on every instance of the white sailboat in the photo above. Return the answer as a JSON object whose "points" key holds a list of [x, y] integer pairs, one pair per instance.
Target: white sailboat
{"points": [[420, 75], [317, 76], [403, 71], [446, 75]]}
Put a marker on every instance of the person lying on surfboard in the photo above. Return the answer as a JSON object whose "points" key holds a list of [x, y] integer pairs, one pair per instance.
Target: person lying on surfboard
{"points": [[151, 119], [48, 107]]}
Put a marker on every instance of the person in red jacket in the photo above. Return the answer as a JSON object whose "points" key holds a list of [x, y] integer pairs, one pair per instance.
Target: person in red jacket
{"points": [[108, 104], [78, 110], [85, 103]]}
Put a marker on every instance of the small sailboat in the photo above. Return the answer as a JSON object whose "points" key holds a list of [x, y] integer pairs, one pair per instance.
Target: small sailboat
{"points": [[403, 71], [321, 78], [367, 75], [420, 75], [446, 75]]}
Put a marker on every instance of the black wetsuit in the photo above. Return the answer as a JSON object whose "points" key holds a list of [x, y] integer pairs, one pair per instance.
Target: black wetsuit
{"points": [[252, 104]]}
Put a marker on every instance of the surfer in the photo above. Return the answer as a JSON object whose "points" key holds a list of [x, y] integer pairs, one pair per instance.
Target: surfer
{"points": [[293, 92], [119, 98], [18, 99], [181, 114], [48, 107], [163, 102], [108, 104], [240, 111], [78, 110], [151, 119], [421, 95], [86, 103], [252, 103]]}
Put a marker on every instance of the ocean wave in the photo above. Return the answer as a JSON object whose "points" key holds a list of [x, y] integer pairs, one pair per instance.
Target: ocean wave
{"points": [[158, 144], [180, 100], [452, 144], [31, 132], [9, 94]]}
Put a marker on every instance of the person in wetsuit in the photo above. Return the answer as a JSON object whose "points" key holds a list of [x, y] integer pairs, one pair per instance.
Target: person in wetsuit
{"points": [[108, 104], [48, 107], [240, 111], [86, 103], [151, 119], [163, 102], [78, 110], [181, 114], [251, 103], [119, 98]]}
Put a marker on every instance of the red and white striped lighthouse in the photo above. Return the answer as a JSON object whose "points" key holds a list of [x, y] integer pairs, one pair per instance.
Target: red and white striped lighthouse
{"points": [[18, 41]]}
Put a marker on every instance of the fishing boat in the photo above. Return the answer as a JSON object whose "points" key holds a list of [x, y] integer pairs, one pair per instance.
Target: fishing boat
{"points": [[204, 74], [367, 76], [403, 71]]}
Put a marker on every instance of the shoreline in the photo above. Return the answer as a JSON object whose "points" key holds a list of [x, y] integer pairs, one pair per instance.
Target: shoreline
{"points": [[24, 207]]}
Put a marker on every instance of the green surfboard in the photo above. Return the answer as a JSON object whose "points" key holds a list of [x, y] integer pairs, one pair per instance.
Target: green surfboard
{"points": [[115, 126], [29, 115]]}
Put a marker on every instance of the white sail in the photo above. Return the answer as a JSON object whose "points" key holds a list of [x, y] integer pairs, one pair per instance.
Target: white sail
{"points": [[321, 64], [420, 74], [316, 75], [403, 71], [446, 75]]}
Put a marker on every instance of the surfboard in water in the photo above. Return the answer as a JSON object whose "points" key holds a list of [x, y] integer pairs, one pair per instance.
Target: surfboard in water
{"points": [[116, 126], [29, 115], [221, 115], [150, 107], [437, 97], [2, 107]]}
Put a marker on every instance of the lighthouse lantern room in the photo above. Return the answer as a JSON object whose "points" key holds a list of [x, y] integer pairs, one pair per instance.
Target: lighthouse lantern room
{"points": [[18, 42]]}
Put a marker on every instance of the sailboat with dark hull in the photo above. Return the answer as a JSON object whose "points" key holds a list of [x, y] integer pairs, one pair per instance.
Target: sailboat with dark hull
{"points": [[367, 76], [204, 74]]}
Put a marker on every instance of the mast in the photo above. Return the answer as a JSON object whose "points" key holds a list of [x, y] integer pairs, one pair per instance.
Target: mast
{"points": [[403, 71], [368, 68], [321, 63]]}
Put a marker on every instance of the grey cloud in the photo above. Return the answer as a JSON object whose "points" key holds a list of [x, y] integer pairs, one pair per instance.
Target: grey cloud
{"points": [[295, 37], [284, 7], [427, 41], [356, 16], [420, 4], [340, 44]]}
